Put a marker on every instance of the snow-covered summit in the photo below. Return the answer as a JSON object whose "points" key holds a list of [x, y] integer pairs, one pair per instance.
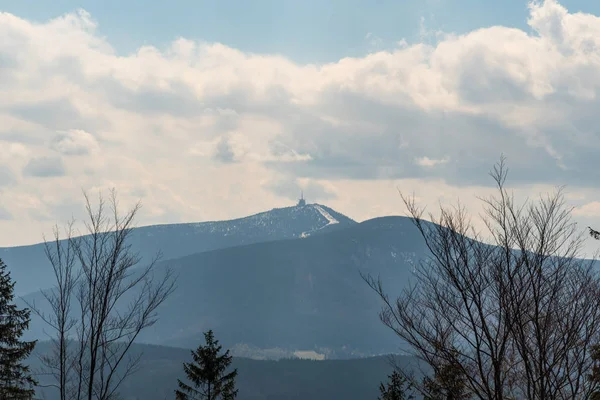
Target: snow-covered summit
{"points": [[276, 224]]}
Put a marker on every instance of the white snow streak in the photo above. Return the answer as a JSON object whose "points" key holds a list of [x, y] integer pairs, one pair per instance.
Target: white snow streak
{"points": [[327, 216]]}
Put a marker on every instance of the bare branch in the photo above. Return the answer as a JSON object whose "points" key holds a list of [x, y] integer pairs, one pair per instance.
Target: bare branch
{"points": [[515, 313], [115, 297]]}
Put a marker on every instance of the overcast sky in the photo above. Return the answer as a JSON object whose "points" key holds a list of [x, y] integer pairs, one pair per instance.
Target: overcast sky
{"points": [[209, 110]]}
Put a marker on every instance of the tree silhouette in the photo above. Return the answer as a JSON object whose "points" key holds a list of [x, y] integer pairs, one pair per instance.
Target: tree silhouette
{"points": [[594, 375], [515, 311], [396, 388], [94, 273], [207, 373], [16, 382], [447, 383]]}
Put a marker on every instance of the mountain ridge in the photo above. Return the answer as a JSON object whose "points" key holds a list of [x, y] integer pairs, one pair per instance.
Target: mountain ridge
{"points": [[298, 294], [31, 270]]}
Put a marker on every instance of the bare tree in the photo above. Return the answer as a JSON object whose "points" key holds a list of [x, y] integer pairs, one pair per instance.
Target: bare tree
{"points": [[62, 258], [103, 299], [516, 315]]}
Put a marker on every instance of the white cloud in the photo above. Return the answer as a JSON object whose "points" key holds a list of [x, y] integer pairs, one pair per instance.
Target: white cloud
{"points": [[75, 142], [429, 162], [588, 210], [205, 131]]}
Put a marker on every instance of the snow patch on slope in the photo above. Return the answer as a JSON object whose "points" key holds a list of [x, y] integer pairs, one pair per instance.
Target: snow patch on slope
{"points": [[330, 220], [326, 215]]}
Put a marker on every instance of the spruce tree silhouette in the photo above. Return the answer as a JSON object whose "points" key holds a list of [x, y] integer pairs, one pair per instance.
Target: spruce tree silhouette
{"points": [[16, 382], [208, 374]]}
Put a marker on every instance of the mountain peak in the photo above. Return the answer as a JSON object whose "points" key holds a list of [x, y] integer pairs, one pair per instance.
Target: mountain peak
{"points": [[300, 220], [178, 240]]}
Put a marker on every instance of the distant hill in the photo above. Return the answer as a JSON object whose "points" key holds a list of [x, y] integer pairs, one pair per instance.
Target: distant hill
{"points": [[356, 379], [296, 294], [30, 268]]}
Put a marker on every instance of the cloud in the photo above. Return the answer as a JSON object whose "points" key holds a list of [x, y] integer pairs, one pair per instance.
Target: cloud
{"points": [[57, 113], [223, 151], [429, 162], [7, 176], [291, 189], [75, 142], [205, 131], [5, 215], [588, 210], [45, 167]]}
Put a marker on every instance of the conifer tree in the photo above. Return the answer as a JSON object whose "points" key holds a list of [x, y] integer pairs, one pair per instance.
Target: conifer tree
{"points": [[16, 382], [397, 388], [208, 374]]}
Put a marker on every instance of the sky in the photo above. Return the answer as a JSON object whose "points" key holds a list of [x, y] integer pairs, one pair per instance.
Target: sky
{"points": [[210, 110]]}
